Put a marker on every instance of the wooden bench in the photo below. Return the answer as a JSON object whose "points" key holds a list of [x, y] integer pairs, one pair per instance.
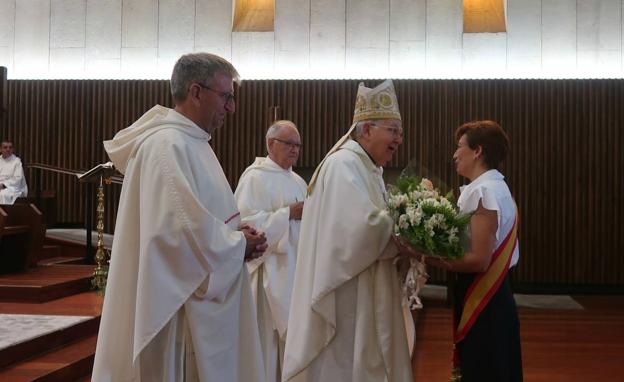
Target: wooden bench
{"points": [[45, 201], [21, 236]]}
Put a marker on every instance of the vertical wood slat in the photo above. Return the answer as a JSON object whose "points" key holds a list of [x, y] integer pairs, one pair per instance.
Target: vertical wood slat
{"points": [[564, 166]]}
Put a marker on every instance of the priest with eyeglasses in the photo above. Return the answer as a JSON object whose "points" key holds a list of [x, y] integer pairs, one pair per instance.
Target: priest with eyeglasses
{"points": [[178, 304], [346, 320], [270, 198]]}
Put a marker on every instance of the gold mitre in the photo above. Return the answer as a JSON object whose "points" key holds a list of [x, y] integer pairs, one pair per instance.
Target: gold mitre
{"points": [[377, 103]]}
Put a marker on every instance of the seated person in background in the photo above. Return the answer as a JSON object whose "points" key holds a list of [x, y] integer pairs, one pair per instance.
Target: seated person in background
{"points": [[12, 181]]}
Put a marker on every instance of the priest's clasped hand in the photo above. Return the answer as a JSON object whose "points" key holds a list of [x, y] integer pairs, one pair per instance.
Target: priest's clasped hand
{"points": [[256, 242]]}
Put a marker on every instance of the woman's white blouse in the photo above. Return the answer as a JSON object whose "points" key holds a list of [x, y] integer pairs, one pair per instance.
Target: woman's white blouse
{"points": [[490, 188]]}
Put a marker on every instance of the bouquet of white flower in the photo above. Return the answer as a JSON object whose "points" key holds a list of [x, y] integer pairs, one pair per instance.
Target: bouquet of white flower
{"points": [[429, 222]]}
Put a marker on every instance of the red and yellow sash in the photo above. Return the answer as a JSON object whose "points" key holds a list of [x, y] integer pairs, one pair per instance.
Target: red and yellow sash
{"points": [[484, 286]]}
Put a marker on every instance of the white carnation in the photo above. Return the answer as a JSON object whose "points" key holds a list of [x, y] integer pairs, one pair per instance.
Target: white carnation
{"points": [[414, 215], [415, 195], [391, 201], [403, 221], [433, 201], [453, 239], [394, 201], [446, 203], [430, 225]]}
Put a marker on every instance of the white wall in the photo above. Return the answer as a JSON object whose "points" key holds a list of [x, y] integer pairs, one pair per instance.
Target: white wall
{"points": [[312, 39]]}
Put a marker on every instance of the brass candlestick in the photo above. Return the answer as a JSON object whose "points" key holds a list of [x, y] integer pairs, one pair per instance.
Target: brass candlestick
{"points": [[100, 274], [456, 375]]}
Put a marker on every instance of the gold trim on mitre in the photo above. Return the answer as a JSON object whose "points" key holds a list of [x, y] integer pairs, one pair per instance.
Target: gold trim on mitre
{"points": [[377, 103]]}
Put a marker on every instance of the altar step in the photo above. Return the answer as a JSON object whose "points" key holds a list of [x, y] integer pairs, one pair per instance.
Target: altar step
{"points": [[73, 241], [64, 355], [70, 362], [43, 343], [58, 253], [46, 283], [48, 251], [62, 260]]}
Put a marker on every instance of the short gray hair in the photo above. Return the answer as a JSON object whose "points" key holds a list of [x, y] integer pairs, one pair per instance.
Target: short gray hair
{"points": [[275, 128], [359, 129], [198, 67]]}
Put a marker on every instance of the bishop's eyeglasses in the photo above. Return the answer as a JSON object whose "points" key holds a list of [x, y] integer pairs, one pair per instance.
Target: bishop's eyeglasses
{"points": [[396, 132]]}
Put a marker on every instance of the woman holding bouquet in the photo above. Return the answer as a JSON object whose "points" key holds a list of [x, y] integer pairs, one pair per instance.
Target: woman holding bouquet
{"points": [[486, 332]]}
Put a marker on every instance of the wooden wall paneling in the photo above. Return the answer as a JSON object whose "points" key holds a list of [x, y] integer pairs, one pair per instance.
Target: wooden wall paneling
{"points": [[614, 182], [3, 90], [564, 165]]}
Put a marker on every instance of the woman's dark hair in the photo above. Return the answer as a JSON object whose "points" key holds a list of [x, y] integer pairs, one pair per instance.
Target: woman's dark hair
{"points": [[490, 136]]}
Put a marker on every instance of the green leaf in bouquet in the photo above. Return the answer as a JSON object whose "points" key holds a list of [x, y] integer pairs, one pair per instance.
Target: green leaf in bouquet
{"points": [[450, 196], [406, 184]]}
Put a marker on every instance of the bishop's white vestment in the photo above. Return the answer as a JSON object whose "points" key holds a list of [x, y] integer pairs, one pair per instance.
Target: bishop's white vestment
{"points": [[178, 304], [12, 176], [264, 193], [346, 321]]}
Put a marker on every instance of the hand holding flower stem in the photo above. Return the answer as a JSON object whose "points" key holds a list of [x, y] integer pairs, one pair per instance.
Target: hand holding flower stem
{"points": [[407, 250]]}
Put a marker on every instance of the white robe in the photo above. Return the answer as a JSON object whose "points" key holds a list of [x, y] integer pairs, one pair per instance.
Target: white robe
{"points": [[264, 193], [178, 304], [346, 322], [12, 176]]}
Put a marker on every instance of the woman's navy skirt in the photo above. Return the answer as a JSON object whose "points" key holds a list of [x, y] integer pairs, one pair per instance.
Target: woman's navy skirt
{"points": [[490, 352]]}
